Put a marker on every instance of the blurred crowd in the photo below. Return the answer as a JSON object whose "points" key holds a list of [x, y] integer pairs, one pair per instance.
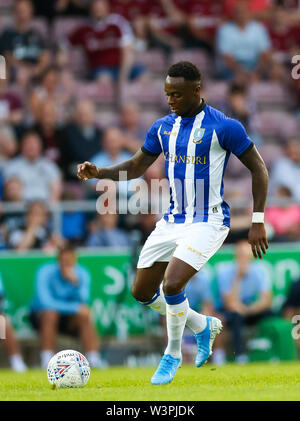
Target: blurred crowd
{"points": [[84, 81]]}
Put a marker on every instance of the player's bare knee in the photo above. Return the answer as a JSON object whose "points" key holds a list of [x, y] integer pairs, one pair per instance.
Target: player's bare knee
{"points": [[140, 295], [172, 286]]}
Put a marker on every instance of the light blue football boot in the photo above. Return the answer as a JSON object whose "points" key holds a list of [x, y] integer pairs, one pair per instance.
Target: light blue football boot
{"points": [[205, 340], [166, 370]]}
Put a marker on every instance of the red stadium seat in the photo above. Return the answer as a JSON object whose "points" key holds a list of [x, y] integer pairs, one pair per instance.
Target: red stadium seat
{"points": [[271, 95], [6, 4], [270, 153], [41, 25], [154, 60], [106, 118], [148, 117], [5, 21], [214, 91], [235, 168], [77, 62], [99, 93], [277, 124], [62, 27], [146, 93]]}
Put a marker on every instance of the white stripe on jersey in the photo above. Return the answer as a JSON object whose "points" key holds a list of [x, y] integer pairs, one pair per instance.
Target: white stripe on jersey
{"points": [[190, 171], [159, 137], [217, 157], [172, 150]]}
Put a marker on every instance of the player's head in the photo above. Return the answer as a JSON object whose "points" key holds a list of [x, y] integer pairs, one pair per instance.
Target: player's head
{"points": [[67, 255], [182, 88]]}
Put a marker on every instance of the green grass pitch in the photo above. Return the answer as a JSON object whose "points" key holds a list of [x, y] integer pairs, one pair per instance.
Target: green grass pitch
{"points": [[259, 381]]}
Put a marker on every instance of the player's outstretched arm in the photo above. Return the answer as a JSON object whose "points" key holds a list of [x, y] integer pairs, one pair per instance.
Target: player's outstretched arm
{"points": [[135, 167], [257, 235]]}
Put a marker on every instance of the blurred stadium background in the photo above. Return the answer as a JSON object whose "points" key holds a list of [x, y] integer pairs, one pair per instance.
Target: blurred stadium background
{"points": [[58, 108]]}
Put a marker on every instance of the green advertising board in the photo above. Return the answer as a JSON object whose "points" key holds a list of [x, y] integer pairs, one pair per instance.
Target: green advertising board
{"points": [[114, 310]]}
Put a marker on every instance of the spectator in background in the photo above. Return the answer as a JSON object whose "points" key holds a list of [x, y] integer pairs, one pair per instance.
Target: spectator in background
{"points": [[239, 106], [80, 139], [135, 11], [112, 153], [243, 45], [258, 9], [51, 87], [166, 24], [47, 128], [132, 127], [108, 44], [12, 194], [10, 341], [105, 232], [40, 177], [286, 171], [283, 218], [23, 47], [202, 20], [8, 146], [60, 304], [245, 298], [11, 107], [33, 231], [283, 34]]}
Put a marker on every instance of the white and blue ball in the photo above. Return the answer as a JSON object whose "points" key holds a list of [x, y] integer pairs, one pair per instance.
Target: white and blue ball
{"points": [[68, 369]]}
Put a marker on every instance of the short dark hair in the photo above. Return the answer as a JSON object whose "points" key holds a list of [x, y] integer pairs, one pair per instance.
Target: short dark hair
{"points": [[185, 69]]}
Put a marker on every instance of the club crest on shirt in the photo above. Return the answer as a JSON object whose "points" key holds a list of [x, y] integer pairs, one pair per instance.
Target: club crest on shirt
{"points": [[198, 135]]}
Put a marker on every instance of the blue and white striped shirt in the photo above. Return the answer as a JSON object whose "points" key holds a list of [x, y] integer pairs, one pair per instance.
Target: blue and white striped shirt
{"points": [[196, 151]]}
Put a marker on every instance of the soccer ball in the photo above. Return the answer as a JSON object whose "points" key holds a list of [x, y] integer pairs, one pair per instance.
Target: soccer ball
{"points": [[68, 369]]}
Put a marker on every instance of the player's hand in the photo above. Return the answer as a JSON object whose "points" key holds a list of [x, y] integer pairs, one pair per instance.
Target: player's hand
{"points": [[257, 238], [87, 170]]}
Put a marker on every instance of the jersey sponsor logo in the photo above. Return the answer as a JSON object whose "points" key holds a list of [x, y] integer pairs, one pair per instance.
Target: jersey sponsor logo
{"points": [[188, 159], [198, 135]]}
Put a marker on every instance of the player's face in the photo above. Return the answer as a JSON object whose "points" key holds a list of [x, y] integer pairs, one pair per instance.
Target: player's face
{"points": [[183, 96]]}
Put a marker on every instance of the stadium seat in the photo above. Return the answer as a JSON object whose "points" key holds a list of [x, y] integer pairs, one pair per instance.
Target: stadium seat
{"points": [[214, 91], [6, 4], [277, 124], [62, 27], [5, 21], [100, 93], [235, 168], [148, 117], [270, 153], [77, 62], [154, 60], [147, 93], [41, 25], [271, 95], [106, 118]]}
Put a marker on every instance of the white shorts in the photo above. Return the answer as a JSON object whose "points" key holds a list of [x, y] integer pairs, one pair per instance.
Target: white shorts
{"points": [[192, 243]]}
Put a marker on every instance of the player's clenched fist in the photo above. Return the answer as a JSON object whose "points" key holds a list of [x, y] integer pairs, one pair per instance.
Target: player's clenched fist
{"points": [[87, 170]]}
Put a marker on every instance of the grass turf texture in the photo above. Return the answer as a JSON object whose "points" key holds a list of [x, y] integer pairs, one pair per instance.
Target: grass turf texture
{"points": [[259, 381]]}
